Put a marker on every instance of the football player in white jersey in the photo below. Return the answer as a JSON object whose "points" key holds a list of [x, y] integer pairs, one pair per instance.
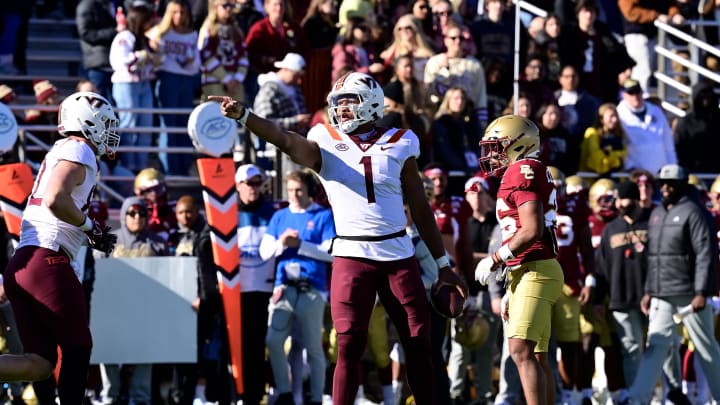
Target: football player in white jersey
{"points": [[367, 172], [46, 295]]}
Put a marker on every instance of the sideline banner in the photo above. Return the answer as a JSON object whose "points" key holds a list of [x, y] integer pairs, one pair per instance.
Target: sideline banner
{"points": [[141, 310]]}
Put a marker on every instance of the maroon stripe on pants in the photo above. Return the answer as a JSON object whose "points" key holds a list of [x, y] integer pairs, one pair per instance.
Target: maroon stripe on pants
{"points": [[48, 301], [354, 283]]}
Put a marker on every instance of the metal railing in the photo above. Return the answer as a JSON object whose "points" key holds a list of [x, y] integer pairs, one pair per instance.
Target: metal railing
{"points": [[521, 5], [666, 52]]}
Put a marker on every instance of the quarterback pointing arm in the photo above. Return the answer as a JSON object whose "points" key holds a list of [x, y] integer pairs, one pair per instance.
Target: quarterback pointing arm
{"points": [[367, 172]]}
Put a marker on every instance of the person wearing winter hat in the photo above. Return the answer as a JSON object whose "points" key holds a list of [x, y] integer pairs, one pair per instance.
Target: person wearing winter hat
{"points": [[46, 94]]}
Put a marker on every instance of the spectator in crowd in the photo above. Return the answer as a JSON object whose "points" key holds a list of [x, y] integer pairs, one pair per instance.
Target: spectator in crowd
{"points": [[134, 62], [649, 139], [298, 237], [640, 33], [444, 17], [525, 107], [482, 223], [151, 186], [494, 35], [558, 147], [269, 40], [455, 132], [592, 49], [40, 273], [46, 94], [176, 43], [319, 24], [407, 104], [247, 15], [256, 277], [421, 10], [10, 19], [222, 54], [699, 128], [603, 148], [682, 273], [453, 68], [646, 184], [355, 105], [498, 94], [281, 100], [579, 108], [190, 224], [134, 240], [212, 370], [409, 39], [534, 83], [355, 8], [547, 44], [320, 27], [354, 52], [97, 27], [621, 266]]}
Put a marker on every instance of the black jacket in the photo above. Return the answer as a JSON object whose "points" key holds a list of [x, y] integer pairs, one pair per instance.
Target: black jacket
{"points": [[682, 251], [621, 262], [207, 283], [96, 27], [696, 138]]}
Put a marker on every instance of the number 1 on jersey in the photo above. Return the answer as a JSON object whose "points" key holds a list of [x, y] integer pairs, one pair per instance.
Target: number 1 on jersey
{"points": [[366, 161]]}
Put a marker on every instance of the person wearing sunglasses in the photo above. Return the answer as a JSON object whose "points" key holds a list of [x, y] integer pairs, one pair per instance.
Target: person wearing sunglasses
{"points": [[134, 240]]}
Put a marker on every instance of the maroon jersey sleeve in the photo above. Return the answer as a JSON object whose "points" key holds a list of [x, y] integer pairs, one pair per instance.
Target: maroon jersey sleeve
{"points": [[528, 180]]}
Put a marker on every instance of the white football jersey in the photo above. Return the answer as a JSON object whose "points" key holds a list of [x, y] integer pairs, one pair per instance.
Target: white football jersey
{"points": [[362, 182], [39, 226]]}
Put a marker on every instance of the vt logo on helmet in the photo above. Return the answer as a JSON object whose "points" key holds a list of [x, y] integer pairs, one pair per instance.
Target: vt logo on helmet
{"points": [[508, 139], [90, 115], [355, 99]]}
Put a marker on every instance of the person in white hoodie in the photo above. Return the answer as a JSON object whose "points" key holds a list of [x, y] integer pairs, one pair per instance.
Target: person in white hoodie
{"points": [[649, 138], [134, 63]]}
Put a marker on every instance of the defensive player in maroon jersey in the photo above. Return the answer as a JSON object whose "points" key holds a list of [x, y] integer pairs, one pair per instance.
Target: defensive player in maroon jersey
{"points": [[525, 209]]}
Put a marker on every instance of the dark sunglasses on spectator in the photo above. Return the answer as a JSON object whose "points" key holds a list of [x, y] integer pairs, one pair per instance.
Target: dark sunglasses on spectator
{"points": [[458, 38], [406, 28], [423, 7], [256, 183], [228, 6], [133, 214], [442, 13]]}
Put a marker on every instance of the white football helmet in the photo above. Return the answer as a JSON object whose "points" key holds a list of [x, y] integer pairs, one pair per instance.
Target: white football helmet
{"points": [[370, 101], [91, 115]]}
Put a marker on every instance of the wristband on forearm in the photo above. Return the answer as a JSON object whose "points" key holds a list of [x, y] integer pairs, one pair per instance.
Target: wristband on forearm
{"points": [[503, 254], [87, 224], [442, 261], [243, 120], [590, 281]]}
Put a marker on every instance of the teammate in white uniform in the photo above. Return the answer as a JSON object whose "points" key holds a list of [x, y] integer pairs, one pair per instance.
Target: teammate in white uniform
{"points": [[46, 295], [367, 173]]}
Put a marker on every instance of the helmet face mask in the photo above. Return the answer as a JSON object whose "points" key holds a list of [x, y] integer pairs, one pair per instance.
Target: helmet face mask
{"points": [[356, 94], [91, 116], [602, 198], [507, 139]]}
